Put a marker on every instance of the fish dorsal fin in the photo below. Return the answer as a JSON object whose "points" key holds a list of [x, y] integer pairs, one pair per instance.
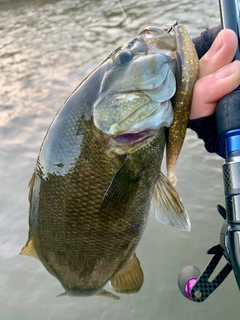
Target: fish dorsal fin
{"points": [[129, 278], [30, 186], [166, 205], [107, 294], [29, 249]]}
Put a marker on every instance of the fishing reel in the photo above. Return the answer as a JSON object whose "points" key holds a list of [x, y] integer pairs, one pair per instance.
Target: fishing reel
{"points": [[193, 284]]}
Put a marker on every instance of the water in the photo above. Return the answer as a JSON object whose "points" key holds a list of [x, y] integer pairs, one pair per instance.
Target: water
{"points": [[46, 49]]}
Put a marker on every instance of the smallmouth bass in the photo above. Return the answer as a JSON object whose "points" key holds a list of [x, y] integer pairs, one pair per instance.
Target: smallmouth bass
{"points": [[98, 174]]}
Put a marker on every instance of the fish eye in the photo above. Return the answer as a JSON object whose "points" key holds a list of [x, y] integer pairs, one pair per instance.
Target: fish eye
{"points": [[123, 57]]}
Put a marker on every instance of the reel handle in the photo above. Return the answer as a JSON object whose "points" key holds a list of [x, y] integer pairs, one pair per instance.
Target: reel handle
{"points": [[187, 278], [195, 285]]}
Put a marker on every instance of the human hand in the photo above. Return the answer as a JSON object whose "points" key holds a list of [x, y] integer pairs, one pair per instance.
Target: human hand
{"points": [[218, 76]]}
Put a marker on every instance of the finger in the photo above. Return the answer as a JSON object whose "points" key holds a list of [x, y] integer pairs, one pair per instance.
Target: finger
{"points": [[213, 87], [221, 52]]}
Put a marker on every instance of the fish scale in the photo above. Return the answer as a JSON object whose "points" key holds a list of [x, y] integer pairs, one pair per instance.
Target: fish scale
{"points": [[84, 243]]}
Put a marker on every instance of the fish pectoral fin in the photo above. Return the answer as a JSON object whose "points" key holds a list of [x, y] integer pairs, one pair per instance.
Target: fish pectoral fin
{"points": [[122, 188], [129, 278], [107, 294], [29, 249], [166, 205]]}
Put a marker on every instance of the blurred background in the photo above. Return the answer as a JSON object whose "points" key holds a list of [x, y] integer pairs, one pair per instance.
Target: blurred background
{"points": [[46, 49]]}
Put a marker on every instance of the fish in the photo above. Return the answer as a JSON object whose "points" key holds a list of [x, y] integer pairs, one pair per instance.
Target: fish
{"points": [[98, 174]]}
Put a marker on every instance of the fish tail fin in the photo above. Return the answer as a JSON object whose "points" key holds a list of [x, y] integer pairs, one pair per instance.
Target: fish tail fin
{"points": [[129, 278], [166, 205]]}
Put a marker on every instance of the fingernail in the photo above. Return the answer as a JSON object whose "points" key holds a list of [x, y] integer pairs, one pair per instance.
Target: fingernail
{"points": [[215, 47], [225, 71]]}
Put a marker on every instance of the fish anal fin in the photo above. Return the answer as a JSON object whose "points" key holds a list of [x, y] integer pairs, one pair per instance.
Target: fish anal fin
{"points": [[129, 278], [166, 205], [29, 249], [107, 294]]}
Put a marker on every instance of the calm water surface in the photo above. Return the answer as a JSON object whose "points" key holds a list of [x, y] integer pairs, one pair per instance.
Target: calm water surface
{"points": [[46, 49]]}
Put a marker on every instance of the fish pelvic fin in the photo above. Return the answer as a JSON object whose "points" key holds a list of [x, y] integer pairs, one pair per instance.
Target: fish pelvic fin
{"points": [[64, 294], [29, 249], [129, 278], [166, 205]]}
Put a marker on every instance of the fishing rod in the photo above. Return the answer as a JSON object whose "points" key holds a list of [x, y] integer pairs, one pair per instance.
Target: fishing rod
{"points": [[193, 284]]}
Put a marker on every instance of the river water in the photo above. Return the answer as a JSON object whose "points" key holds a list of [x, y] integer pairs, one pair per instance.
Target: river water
{"points": [[46, 49]]}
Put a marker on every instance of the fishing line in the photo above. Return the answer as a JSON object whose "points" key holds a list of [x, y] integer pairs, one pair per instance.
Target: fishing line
{"points": [[125, 18]]}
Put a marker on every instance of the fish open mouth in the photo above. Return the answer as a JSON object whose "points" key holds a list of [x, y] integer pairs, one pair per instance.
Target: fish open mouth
{"points": [[127, 139]]}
